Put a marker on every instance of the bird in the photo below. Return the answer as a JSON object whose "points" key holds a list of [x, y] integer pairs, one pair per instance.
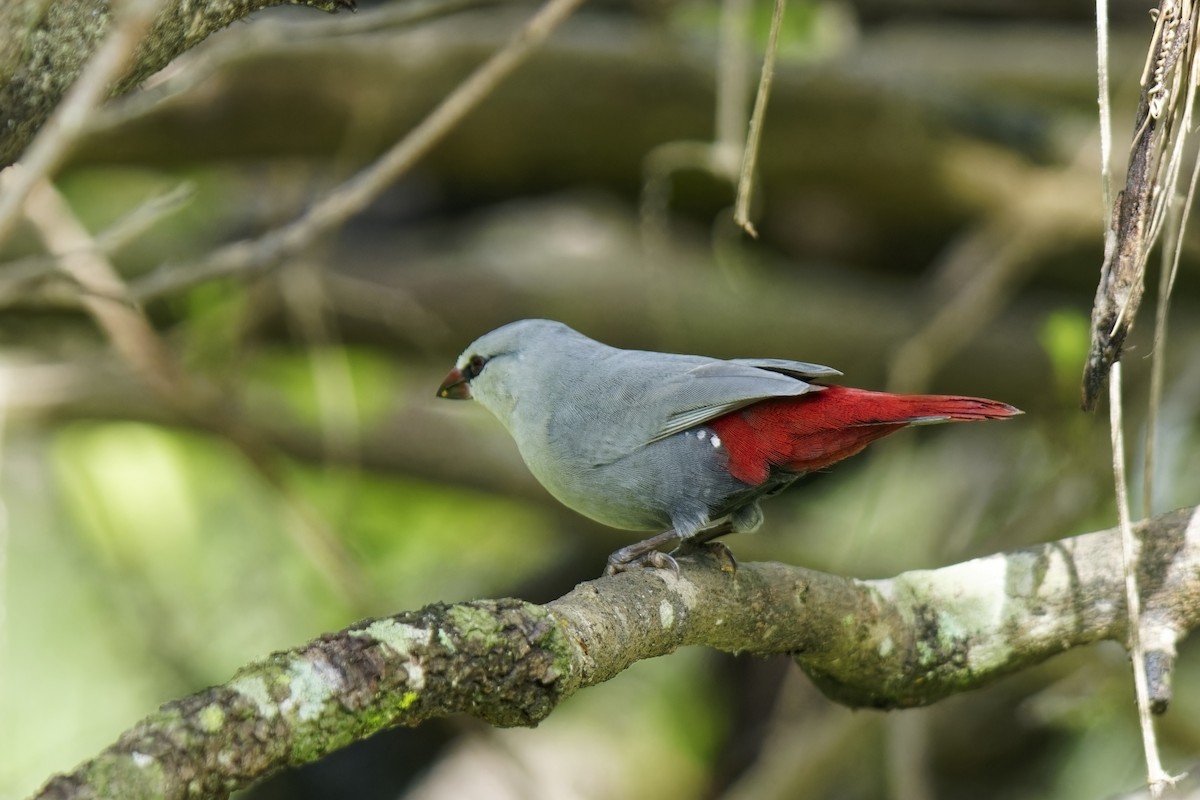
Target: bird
{"points": [[685, 445]]}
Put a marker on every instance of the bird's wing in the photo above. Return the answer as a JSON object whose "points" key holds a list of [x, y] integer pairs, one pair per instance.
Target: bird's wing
{"points": [[684, 399], [797, 369]]}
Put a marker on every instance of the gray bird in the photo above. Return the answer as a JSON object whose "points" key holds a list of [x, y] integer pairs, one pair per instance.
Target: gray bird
{"points": [[681, 444]]}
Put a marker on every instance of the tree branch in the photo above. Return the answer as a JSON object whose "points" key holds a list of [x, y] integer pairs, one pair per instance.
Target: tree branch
{"points": [[360, 190], [905, 641], [45, 47]]}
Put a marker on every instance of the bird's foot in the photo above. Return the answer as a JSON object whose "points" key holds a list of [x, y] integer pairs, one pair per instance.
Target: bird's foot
{"points": [[655, 559], [718, 550], [644, 554]]}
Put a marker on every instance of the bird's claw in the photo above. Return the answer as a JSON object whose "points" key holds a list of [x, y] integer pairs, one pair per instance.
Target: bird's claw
{"points": [[660, 560], [718, 550], [644, 554], [655, 559]]}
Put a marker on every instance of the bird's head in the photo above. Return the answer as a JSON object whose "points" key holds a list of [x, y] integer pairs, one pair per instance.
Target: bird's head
{"points": [[495, 367]]}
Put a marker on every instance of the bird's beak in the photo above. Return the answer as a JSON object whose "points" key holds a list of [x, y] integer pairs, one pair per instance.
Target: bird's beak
{"points": [[455, 387]]}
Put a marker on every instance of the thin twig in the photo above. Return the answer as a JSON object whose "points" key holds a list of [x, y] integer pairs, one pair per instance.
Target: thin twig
{"points": [[197, 65], [18, 277], [741, 210], [360, 191], [1157, 777], [1150, 195], [105, 296], [144, 217], [63, 129]]}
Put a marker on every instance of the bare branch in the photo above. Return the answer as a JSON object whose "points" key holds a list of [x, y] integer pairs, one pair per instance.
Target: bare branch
{"points": [[200, 64], [106, 297], [31, 279], [352, 196], [103, 293]]}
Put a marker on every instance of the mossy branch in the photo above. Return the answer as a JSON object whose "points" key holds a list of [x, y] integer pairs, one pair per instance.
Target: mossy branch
{"points": [[905, 641], [44, 47]]}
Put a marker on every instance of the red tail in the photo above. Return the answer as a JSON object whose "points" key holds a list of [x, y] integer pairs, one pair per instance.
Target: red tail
{"points": [[806, 433]]}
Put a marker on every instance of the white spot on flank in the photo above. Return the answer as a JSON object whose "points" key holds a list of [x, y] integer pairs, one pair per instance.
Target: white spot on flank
{"points": [[141, 760], [716, 441], [701, 435]]}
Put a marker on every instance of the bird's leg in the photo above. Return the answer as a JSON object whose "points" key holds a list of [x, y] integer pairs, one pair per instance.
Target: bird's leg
{"points": [[700, 538], [644, 554]]}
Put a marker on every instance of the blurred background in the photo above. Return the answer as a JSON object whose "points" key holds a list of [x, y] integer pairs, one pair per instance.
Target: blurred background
{"points": [[929, 208]]}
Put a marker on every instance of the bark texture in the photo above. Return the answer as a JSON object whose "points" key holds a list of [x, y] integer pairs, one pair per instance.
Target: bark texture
{"points": [[905, 641], [44, 45]]}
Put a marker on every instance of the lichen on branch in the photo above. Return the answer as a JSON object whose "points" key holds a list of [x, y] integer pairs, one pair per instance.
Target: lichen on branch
{"points": [[904, 641]]}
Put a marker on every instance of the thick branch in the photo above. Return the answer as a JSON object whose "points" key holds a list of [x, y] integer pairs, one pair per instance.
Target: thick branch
{"points": [[45, 45], [906, 641]]}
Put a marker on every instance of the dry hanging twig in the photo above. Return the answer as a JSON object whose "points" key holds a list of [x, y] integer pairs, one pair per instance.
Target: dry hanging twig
{"points": [[1157, 777], [1138, 211], [1137, 219], [741, 212]]}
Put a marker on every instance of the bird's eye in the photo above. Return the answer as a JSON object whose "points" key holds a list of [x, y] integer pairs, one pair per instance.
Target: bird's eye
{"points": [[474, 366]]}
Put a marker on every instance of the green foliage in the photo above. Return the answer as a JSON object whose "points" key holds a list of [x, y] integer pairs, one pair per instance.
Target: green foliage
{"points": [[172, 562], [335, 386], [419, 541], [809, 28], [1065, 337], [187, 213]]}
